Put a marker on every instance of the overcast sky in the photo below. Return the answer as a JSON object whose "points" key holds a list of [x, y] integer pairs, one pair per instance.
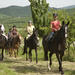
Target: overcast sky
{"points": [[52, 3]]}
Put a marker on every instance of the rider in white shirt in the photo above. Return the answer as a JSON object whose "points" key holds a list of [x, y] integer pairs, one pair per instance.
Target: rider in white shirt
{"points": [[29, 29], [3, 30]]}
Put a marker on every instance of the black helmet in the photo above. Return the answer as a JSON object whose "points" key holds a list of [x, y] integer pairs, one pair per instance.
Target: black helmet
{"points": [[55, 14], [14, 26]]}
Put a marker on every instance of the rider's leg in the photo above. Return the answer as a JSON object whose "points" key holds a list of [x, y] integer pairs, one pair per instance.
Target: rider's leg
{"points": [[50, 35]]}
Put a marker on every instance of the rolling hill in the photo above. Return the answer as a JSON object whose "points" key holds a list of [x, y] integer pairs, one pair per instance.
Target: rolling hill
{"points": [[16, 11]]}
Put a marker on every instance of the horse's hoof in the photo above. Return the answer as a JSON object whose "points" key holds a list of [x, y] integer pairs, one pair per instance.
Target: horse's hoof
{"points": [[36, 62], [30, 60], [23, 53], [1, 59], [62, 73], [26, 59], [49, 68]]}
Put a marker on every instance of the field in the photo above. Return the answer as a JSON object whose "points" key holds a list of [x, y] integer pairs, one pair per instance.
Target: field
{"points": [[19, 66]]}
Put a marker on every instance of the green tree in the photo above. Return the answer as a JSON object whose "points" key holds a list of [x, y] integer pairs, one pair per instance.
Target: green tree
{"points": [[39, 10]]}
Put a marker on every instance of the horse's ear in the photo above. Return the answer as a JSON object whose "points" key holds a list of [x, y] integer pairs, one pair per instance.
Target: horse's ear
{"points": [[33, 29], [63, 22], [68, 23]]}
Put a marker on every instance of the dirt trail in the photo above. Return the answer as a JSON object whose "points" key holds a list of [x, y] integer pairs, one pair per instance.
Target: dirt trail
{"points": [[22, 67]]}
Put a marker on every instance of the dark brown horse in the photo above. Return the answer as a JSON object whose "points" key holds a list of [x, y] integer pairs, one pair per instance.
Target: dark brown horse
{"points": [[57, 45], [31, 43], [14, 44], [3, 42]]}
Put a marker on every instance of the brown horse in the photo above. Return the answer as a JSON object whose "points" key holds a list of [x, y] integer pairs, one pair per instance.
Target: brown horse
{"points": [[3, 42], [57, 45], [14, 45]]}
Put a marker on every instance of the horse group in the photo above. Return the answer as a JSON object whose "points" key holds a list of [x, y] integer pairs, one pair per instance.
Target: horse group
{"points": [[57, 45], [11, 45]]}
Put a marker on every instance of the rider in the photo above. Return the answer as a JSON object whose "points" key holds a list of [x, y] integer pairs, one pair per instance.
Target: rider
{"points": [[55, 25], [29, 29], [2, 30], [14, 31]]}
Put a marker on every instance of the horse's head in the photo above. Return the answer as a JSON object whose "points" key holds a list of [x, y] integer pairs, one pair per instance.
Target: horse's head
{"points": [[35, 32], [64, 29], [17, 39]]}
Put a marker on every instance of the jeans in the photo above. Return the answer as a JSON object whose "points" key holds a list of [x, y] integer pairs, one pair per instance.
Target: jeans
{"points": [[50, 35]]}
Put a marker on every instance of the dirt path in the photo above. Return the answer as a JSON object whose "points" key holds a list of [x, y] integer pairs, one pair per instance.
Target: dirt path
{"points": [[22, 67]]}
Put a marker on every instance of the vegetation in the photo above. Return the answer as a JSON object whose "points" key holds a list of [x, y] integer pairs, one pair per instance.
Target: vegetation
{"points": [[39, 10]]}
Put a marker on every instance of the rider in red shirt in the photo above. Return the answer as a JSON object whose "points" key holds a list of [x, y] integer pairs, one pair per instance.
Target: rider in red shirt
{"points": [[54, 25]]}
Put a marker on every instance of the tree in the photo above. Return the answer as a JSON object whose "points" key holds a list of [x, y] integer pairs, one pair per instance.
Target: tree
{"points": [[39, 10]]}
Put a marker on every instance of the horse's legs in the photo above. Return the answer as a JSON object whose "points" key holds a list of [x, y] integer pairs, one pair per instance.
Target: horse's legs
{"points": [[30, 55], [60, 63], [61, 55], [2, 53], [17, 51], [26, 55], [49, 65], [36, 55], [45, 54]]}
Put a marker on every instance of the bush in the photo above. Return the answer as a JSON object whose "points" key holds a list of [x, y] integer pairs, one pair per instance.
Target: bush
{"points": [[44, 31]]}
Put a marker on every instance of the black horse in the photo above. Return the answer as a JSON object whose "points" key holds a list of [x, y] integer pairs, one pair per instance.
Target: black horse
{"points": [[31, 43], [57, 45], [3, 44]]}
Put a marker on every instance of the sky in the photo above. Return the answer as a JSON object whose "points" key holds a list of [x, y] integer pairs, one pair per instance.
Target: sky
{"points": [[52, 3]]}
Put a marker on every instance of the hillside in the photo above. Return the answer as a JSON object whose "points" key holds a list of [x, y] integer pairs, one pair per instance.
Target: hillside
{"points": [[71, 11], [19, 11], [68, 7], [16, 11]]}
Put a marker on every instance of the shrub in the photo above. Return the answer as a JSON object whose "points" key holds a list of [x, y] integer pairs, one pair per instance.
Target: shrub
{"points": [[44, 31]]}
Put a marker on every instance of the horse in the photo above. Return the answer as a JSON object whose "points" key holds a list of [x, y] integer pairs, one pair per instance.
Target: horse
{"points": [[56, 45], [3, 42], [14, 43], [31, 43]]}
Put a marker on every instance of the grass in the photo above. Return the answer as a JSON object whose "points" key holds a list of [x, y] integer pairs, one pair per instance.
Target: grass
{"points": [[19, 66]]}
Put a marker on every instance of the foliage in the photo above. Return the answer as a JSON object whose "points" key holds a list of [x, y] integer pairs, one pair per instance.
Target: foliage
{"points": [[39, 10]]}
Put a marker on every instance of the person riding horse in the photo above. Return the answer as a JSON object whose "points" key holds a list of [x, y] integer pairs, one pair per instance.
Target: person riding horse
{"points": [[2, 29], [14, 40], [55, 26], [14, 31], [29, 29], [12, 34]]}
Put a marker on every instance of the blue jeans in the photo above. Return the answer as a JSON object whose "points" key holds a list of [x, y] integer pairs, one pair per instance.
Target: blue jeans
{"points": [[50, 35]]}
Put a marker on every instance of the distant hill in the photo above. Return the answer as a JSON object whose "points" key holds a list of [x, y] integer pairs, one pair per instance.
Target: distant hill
{"points": [[68, 7], [16, 11], [19, 11]]}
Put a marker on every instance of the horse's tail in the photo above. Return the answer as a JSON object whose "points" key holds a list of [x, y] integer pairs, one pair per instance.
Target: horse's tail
{"points": [[25, 46]]}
